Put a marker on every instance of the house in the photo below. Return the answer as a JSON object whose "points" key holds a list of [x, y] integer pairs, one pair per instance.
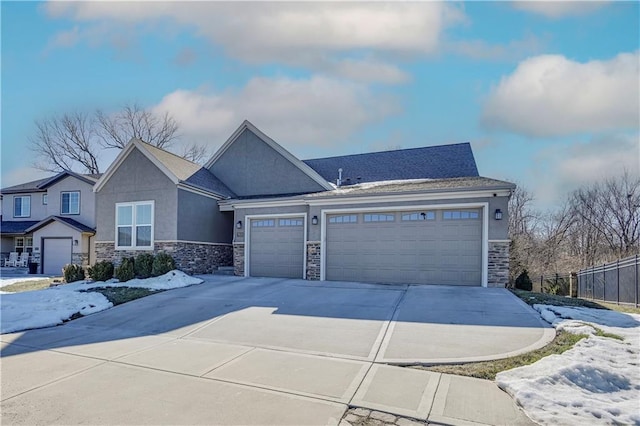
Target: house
{"points": [[421, 215], [52, 218]]}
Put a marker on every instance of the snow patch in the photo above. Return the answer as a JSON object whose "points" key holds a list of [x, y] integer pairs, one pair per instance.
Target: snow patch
{"points": [[597, 381], [52, 306]]}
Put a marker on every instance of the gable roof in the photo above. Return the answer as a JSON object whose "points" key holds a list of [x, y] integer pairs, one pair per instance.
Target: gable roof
{"points": [[80, 227], [431, 162], [247, 125], [181, 172], [41, 185], [12, 227]]}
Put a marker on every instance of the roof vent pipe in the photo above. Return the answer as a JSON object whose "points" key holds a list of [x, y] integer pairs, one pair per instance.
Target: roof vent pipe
{"points": [[339, 182]]}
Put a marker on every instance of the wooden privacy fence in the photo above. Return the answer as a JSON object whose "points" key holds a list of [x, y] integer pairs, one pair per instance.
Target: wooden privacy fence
{"points": [[615, 282]]}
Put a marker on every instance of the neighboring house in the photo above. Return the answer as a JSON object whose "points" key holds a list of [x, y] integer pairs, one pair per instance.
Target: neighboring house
{"points": [[420, 215], [53, 219]]}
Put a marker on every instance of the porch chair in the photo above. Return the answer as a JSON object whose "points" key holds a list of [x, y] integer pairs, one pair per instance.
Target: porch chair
{"points": [[11, 260], [23, 260]]}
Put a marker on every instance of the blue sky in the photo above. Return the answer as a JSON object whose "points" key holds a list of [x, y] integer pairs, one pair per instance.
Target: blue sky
{"points": [[547, 92]]}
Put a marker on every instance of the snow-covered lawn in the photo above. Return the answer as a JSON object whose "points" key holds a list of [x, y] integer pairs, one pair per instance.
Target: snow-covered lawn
{"points": [[595, 382], [45, 308], [8, 281]]}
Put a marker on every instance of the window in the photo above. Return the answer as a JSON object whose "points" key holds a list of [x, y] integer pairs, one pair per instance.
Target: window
{"points": [[290, 222], [22, 206], [45, 199], [419, 216], [263, 223], [70, 203], [134, 225], [459, 214], [379, 217], [349, 218], [23, 244]]}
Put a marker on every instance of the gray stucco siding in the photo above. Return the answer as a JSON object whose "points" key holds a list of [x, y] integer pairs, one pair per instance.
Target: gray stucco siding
{"points": [[251, 167], [38, 211], [201, 220], [87, 200], [138, 179]]}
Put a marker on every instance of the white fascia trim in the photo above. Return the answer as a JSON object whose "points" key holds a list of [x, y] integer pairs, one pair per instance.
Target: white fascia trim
{"points": [[273, 144], [398, 198], [485, 229], [133, 143], [228, 206], [247, 237], [202, 192], [499, 241]]}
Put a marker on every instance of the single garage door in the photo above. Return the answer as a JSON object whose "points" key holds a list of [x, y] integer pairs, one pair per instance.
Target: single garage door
{"points": [[55, 254], [276, 247], [415, 247]]}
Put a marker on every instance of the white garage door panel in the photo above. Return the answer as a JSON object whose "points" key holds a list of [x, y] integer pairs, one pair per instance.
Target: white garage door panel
{"points": [[435, 251], [277, 250], [56, 254]]}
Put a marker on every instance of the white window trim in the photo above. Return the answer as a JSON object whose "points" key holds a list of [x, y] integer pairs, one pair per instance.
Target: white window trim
{"points": [[61, 203], [133, 225], [484, 206], [21, 206]]}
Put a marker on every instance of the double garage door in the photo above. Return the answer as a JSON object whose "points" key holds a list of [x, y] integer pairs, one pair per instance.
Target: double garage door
{"points": [[414, 247]]}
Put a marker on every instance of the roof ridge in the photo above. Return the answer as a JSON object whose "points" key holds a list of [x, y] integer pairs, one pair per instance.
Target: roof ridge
{"points": [[389, 151]]}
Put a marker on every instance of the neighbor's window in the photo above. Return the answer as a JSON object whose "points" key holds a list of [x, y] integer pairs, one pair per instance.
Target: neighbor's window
{"points": [[22, 206], [349, 218], [134, 225], [23, 244], [419, 216], [459, 214], [290, 222], [70, 203], [45, 199], [378, 217]]}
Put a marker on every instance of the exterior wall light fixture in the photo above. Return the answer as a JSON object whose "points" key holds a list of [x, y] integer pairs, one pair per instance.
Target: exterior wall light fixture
{"points": [[498, 214], [314, 220], [239, 224]]}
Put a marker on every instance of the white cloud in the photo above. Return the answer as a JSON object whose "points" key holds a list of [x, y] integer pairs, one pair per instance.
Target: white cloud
{"points": [[511, 51], [550, 95], [566, 167], [295, 33], [558, 9], [299, 114]]}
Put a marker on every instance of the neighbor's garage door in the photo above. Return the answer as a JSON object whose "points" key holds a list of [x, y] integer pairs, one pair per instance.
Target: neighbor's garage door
{"points": [[276, 247], [55, 254], [416, 247]]}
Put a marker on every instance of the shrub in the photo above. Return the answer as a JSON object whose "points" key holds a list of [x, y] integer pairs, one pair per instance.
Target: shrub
{"points": [[144, 265], [162, 264], [126, 270], [101, 271], [558, 286], [523, 282], [72, 273]]}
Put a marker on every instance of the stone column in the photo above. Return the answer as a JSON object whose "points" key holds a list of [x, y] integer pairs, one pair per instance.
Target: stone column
{"points": [[238, 259], [498, 268], [313, 260]]}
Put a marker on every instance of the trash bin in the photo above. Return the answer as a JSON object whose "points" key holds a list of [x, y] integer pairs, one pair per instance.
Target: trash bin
{"points": [[33, 268]]}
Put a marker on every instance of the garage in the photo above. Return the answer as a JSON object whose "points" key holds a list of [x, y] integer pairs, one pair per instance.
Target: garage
{"points": [[437, 246], [56, 252], [277, 247]]}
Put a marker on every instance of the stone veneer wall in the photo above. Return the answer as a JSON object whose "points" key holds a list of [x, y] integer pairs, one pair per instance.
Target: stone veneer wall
{"points": [[238, 259], [498, 268], [192, 258], [80, 259], [313, 260]]}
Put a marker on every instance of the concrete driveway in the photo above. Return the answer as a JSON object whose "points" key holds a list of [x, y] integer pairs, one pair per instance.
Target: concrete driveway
{"points": [[270, 351]]}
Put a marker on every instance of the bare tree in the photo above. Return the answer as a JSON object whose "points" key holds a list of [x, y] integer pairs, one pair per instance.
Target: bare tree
{"points": [[73, 141], [66, 143], [523, 222], [116, 130]]}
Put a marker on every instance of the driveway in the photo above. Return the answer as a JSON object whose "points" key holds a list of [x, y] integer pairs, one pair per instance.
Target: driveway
{"points": [[270, 351]]}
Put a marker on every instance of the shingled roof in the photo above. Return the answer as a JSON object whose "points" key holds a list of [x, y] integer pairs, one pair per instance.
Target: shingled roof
{"points": [[13, 227], [432, 162]]}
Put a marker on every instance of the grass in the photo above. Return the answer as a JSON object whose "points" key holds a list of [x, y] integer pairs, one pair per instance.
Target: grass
{"points": [[31, 285], [120, 295], [532, 298], [488, 369]]}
